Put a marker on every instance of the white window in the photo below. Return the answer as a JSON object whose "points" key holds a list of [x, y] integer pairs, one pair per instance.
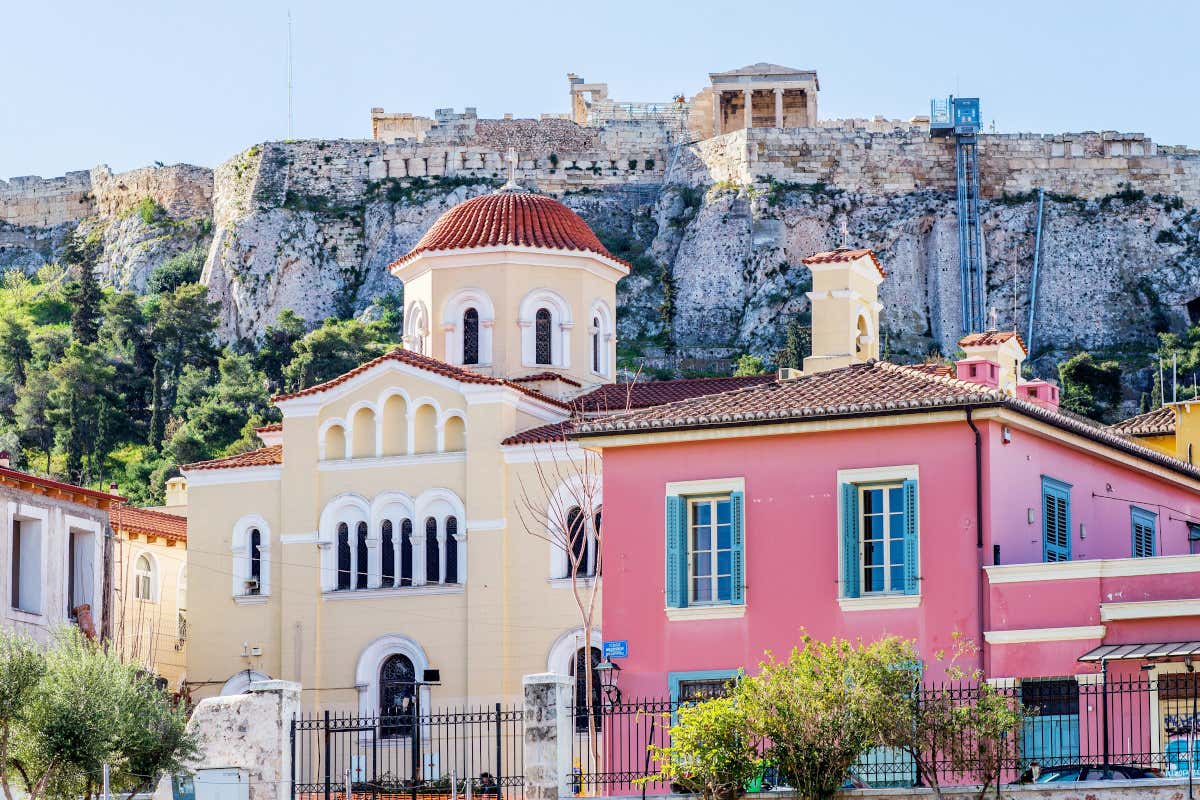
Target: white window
{"points": [[710, 550], [582, 537], [882, 538], [251, 557], [81, 569], [25, 542], [181, 600], [143, 578]]}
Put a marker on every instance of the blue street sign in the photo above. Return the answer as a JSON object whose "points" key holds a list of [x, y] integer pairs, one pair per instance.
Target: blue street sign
{"points": [[616, 649]]}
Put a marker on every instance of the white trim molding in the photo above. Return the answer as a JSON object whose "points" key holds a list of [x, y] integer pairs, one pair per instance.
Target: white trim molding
{"points": [[1092, 568], [1028, 635], [474, 525], [1150, 609], [708, 486], [886, 602], [722, 611], [228, 475]]}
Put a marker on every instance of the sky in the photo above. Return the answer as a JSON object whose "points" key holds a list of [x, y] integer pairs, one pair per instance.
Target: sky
{"points": [[127, 84]]}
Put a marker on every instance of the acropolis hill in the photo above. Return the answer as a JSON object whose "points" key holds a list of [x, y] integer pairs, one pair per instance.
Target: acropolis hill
{"points": [[715, 198]]}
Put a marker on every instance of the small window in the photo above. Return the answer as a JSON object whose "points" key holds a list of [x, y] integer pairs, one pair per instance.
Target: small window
{"points": [[343, 556], [710, 550], [361, 557], [543, 352], [254, 585], [81, 572], [1142, 524], [26, 574], [388, 567], [143, 575], [596, 344], [695, 691], [397, 696], [881, 538], [432, 557], [406, 553], [451, 550], [582, 656], [1193, 538], [470, 336]]}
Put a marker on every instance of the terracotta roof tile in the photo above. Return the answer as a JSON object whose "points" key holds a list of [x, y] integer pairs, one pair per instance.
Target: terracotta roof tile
{"points": [[47, 486], [274, 427], [262, 457], [509, 218], [858, 390], [613, 397], [990, 338], [935, 369], [842, 255], [428, 363], [145, 522], [546, 376], [1159, 422], [544, 434]]}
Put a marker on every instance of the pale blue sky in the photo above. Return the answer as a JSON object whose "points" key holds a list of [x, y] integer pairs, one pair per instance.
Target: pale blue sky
{"points": [[128, 84]]}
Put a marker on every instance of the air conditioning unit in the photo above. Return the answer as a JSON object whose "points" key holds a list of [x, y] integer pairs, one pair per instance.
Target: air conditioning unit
{"points": [[252, 586]]}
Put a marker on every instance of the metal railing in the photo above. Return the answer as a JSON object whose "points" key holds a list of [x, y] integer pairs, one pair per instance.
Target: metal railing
{"points": [[1146, 722], [456, 752]]}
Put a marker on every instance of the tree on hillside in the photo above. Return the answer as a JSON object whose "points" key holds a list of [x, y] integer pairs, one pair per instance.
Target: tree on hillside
{"points": [[183, 327], [32, 414], [177, 270], [81, 399], [16, 348], [749, 365], [797, 344], [85, 296], [336, 347], [216, 410], [1090, 388], [126, 341], [278, 347]]}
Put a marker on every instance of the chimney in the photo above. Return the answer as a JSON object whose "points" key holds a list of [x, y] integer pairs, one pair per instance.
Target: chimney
{"points": [[177, 492], [5, 459], [1004, 348], [112, 489], [1039, 392], [845, 308], [978, 370]]}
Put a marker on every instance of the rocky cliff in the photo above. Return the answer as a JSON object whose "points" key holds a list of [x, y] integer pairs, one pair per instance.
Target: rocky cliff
{"points": [[716, 229]]}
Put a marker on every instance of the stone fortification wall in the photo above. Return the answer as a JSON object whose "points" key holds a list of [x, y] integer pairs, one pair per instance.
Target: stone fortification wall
{"points": [[182, 190], [1085, 165], [46, 202]]}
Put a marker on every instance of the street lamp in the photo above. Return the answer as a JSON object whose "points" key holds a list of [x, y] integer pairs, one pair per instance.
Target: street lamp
{"points": [[608, 673]]}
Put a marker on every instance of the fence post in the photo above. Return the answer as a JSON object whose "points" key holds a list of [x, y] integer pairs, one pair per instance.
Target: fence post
{"points": [[293, 758], [328, 757], [499, 758], [547, 751]]}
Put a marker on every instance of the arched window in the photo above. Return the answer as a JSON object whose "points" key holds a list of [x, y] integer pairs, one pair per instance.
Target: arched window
{"points": [[541, 336], [451, 550], [470, 336], [577, 672], [343, 556], [577, 543], [388, 556], [143, 578], [361, 560], [397, 696], [595, 542], [254, 585], [596, 344], [406, 553], [432, 557]]}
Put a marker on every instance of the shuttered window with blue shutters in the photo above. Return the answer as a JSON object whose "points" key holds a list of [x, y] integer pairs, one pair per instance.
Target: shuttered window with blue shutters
{"points": [[705, 550], [1142, 524], [1056, 520], [879, 539]]}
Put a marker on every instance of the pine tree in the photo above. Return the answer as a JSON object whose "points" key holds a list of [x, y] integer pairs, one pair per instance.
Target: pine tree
{"points": [[1144, 405], [157, 423], [85, 297]]}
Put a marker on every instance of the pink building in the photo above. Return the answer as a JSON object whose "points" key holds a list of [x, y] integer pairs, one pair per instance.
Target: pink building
{"points": [[871, 499]]}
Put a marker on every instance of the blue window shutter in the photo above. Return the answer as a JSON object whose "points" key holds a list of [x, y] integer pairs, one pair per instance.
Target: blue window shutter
{"points": [[912, 555], [1142, 524], [1056, 520], [737, 512], [849, 540], [676, 579]]}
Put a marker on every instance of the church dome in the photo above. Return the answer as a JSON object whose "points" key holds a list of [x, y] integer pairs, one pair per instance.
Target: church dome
{"points": [[509, 219]]}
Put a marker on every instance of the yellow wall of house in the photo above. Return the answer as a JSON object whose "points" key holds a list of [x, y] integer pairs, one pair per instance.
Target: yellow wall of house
{"points": [[148, 631], [483, 636], [845, 301]]}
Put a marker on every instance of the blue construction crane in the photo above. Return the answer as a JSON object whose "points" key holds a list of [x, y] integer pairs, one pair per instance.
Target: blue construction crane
{"points": [[959, 117]]}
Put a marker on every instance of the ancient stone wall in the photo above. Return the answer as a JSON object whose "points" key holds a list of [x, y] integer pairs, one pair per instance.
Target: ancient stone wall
{"points": [[46, 202], [184, 191]]}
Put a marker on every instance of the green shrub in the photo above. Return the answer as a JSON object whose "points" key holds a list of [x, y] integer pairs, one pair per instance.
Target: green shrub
{"points": [[632, 164], [712, 750], [150, 211], [177, 270]]}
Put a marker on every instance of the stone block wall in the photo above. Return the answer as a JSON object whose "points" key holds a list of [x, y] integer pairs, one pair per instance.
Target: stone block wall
{"points": [[46, 202], [183, 190]]}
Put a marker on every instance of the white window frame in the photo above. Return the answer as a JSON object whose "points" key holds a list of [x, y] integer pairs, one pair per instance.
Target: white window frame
{"points": [[561, 323], [241, 559], [452, 325], [887, 565], [87, 528], [874, 601], [712, 500], [23, 513], [150, 578]]}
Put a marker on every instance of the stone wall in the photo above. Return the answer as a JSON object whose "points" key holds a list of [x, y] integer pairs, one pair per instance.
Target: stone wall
{"points": [[183, 190], [46, 202]]}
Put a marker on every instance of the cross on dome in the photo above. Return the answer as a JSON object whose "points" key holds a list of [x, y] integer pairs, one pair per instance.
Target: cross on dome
{"points": [[512, 159]]}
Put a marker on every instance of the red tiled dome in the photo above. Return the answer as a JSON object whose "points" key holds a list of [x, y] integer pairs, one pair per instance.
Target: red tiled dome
{"points": [[513, 218]]}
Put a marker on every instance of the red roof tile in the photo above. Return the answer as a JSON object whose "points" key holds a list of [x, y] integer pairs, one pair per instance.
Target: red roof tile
{"points": [[991, 338], [642, 394], [509, 218], [859, 390], [428, 363], [262, 457], [1159, 422], [544, 434], [545, 376], [49, 486], [274, 427], [842, 255], [145, 522]]}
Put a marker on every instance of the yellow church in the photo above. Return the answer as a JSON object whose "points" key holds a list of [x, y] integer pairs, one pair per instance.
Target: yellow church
{"points": [[389, 526]]}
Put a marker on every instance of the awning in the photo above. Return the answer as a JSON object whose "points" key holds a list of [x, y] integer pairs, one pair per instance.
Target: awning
{"points": [[1139, 652]]}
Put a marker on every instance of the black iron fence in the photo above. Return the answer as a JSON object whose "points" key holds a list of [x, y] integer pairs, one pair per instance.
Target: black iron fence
{"points": [[1145, 722], [444, 753]]}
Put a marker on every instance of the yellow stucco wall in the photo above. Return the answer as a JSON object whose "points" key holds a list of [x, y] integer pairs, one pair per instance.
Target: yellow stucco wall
{"points": [[148, 631]]}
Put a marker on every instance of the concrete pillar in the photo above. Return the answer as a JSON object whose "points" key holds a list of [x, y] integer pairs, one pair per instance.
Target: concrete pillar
{"points": [[547, 736], [749, 94], [778, 107]]}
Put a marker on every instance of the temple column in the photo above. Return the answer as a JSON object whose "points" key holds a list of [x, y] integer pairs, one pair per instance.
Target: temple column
{"points": [[810, 105], [749, 94], [717, 94], [778, 107]]}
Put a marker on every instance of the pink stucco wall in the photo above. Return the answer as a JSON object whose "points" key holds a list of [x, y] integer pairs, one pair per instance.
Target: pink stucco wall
{"points": [[792, 544]]}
